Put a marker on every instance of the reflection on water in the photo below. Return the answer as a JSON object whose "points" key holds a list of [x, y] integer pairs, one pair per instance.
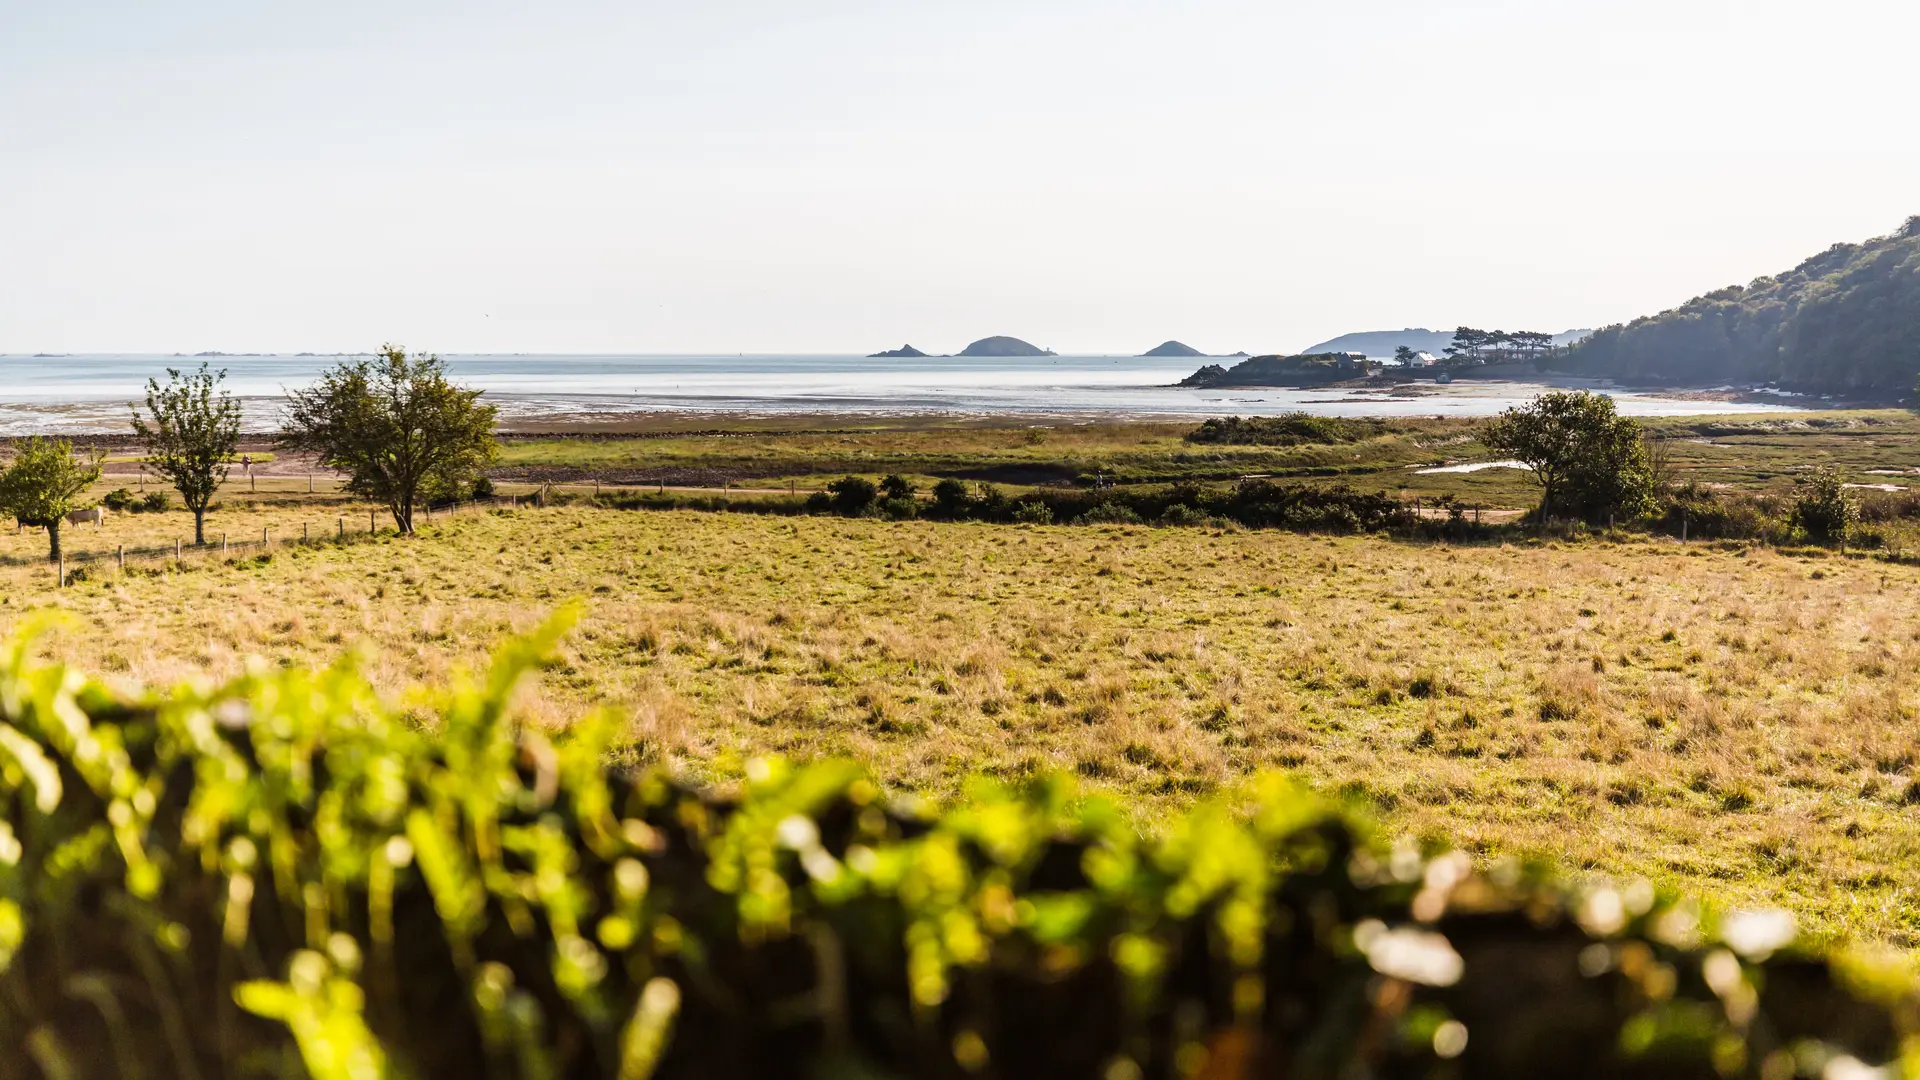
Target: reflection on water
{"points": [[91, 393]]}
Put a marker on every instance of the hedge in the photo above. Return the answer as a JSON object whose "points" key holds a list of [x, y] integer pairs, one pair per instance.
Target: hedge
{"points": [[287, 876]]}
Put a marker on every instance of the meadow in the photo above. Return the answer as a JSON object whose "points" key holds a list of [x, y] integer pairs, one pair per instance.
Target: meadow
{"points": [[1737, 721]]}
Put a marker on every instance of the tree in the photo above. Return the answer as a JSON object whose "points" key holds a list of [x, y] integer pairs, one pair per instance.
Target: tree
{"points": [[895, 486], [190, 437], [1590, 462], [400, 430], [44, 483], [1404, 354]]}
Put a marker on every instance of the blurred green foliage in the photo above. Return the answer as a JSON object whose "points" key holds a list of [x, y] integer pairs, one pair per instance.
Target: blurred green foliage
{"points": [[286, 876]]}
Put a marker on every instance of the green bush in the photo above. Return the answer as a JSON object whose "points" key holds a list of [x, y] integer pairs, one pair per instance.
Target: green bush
{"points": [[899, 509], [950, 498], [285, 876], [119, 500], [1287, 429], [154, 502], [1182, 514], [852, 495], [1824, 509], [1109, 513], [483, 486], [1032, 512], [1712, 515]]}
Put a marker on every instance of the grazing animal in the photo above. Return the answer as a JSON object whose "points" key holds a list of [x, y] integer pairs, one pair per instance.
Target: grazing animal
{"points": [[97, 515]]}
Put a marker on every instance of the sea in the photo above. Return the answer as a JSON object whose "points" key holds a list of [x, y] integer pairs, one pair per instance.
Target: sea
{"points": [[92, 393]]}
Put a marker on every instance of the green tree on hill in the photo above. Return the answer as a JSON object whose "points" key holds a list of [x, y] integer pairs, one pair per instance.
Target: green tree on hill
{"points": [[1590, 462], [398, 427], [44, 484], [190, 437]]}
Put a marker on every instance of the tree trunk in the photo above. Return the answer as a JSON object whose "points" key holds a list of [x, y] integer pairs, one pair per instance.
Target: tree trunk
{"points": [[199, 526], [53, 540], [403, 518]]}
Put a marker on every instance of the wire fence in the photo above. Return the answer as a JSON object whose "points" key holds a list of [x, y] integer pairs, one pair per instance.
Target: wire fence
{"points": [[343, 528]]}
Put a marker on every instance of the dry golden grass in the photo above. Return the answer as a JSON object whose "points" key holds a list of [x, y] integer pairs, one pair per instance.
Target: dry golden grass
{"points": [[1738, 722]]}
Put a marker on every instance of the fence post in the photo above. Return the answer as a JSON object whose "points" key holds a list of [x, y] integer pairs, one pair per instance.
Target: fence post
{"points": [[223, 545], [252, 484], [62, 570], [176, 549], [370, 522], [309, 483], [306, 531], [123, 558], [343, 528], [265, 537]]}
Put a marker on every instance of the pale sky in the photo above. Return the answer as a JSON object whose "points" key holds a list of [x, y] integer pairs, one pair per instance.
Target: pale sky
{"points": [[721, 176]]}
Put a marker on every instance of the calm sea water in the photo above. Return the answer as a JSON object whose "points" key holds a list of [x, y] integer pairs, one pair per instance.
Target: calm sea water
{"points": [[90, 393]]}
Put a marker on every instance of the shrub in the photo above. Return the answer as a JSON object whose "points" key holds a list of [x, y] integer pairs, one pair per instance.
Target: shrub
{"points": [[1109, 513], [1710, 515], [895, 486], [383, 900], [1032, 512], [1288, 429], [1824, 509], [119, 500], [154, 502], [1182, 514], [819, 503], [990, 502], [483, 486], [950, 498], [852, 495], [899, 509]]}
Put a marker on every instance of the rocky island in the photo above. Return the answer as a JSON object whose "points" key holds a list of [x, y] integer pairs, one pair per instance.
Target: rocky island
{"points": [[1173, 348], [903, 352], [1004, 346], [1311, 369]]}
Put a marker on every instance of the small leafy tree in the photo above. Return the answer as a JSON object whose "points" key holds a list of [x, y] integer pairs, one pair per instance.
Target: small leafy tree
{"points": [[190, 433], [1590, 462], [1823, 509], [398, 427], [1404, 354], [895, 486], [44, 484]]}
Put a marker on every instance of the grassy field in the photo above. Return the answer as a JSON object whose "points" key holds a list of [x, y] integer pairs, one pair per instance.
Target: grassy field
{"points": [[1740, 722]]}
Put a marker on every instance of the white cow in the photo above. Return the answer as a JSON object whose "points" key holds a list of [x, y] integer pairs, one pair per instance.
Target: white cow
{"points": [[97, 515]]}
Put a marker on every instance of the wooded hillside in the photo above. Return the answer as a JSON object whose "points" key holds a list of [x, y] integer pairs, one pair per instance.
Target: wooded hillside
{"points": [[1846, 321]]}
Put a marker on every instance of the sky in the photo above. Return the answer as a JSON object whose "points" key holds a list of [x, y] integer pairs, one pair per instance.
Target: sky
{"points": [[840, 176]]}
